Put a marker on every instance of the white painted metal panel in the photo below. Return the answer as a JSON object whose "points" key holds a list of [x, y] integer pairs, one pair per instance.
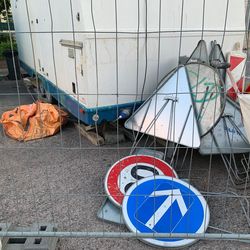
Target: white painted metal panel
{"points": [[171, 46], [228, 138]]}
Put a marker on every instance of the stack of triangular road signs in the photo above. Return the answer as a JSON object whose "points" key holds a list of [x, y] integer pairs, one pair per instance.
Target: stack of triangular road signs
{"points": [[228, 135], [169, 114], [190, 107], [186, 105]]}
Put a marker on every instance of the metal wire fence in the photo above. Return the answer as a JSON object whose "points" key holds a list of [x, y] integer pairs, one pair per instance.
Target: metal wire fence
{"points": [[59, 180]]}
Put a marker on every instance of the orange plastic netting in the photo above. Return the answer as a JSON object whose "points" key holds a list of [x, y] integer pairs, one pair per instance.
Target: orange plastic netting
{"points": [[33, 121]]}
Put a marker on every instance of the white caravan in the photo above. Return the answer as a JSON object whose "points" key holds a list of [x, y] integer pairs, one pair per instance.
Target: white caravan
{"points": [[101, 56]]}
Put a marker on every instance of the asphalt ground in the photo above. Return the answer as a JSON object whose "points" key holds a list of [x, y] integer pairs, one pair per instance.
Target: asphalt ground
{"points": [[60, 180]]}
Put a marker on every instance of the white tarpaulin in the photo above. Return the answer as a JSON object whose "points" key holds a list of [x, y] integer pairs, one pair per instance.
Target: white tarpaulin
{"points": [[245, 109]]}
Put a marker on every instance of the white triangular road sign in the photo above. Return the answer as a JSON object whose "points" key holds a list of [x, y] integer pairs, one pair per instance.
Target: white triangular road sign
{"points": [[168, 114]]}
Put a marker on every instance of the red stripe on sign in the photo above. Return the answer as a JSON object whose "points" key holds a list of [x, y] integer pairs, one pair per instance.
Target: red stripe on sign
{"points": [[240, 84], [111, 181], [232, 93], [235, 61], [247, 89]]}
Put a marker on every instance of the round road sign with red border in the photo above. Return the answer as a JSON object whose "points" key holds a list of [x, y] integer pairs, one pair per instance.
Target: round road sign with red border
{"points": [[125, 172]]}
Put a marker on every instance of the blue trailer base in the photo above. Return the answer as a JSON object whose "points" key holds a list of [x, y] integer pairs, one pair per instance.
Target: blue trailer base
{"points": [[84, 114]]}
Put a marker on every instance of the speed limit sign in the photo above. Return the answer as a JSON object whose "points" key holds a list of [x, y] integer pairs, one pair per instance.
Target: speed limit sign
{"points": [[130, 169]]}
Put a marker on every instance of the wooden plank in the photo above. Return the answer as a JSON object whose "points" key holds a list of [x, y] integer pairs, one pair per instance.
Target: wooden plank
{"points": [[30, 82], [93, 137]]}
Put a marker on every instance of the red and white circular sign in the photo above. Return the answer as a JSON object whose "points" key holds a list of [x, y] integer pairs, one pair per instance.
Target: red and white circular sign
{"points": [[130, 169]]}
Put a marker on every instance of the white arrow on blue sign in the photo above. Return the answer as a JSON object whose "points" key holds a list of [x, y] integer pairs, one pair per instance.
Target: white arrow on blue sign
{"points": [[163, 204], [171, 197]]}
